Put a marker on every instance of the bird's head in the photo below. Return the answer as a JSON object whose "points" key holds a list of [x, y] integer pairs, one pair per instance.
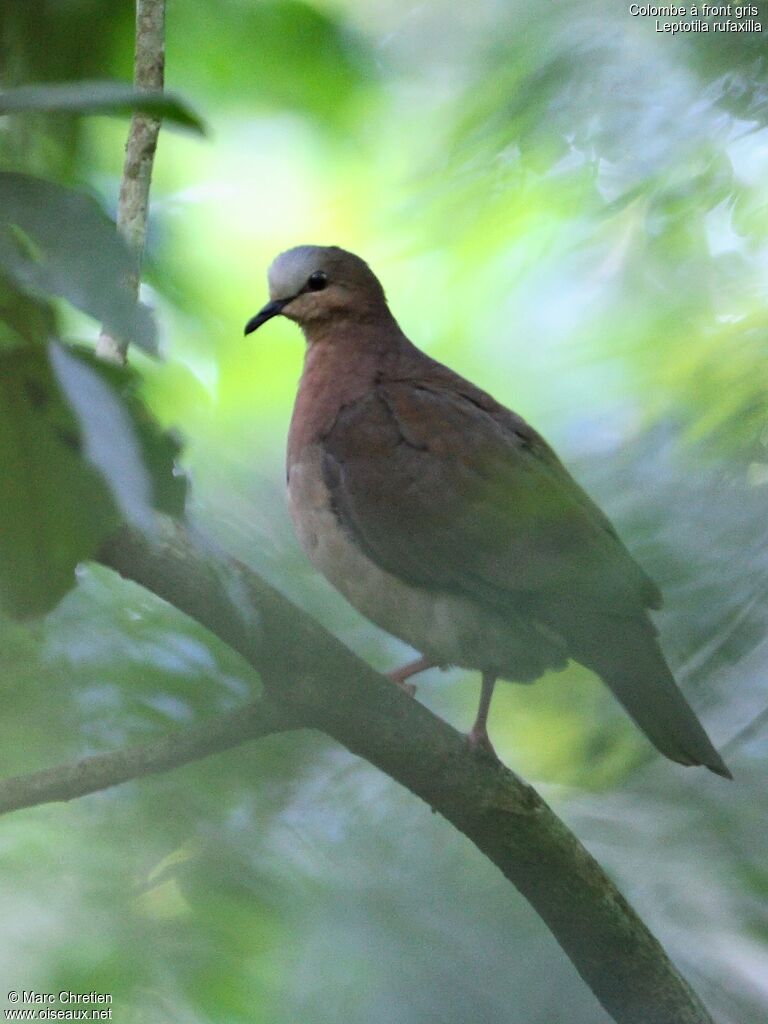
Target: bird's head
{"points": [[312, 284]]}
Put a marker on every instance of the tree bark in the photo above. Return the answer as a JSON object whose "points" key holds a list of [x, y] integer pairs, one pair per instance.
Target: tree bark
{"points": [[91, 774], [133, 204], [317, 682]]}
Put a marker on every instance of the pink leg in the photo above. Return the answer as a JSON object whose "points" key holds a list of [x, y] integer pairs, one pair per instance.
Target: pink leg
{"points": [[399, 675], [477, 737]]}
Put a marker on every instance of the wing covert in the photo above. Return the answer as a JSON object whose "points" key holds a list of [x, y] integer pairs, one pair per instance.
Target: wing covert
{"points": [[447, 495]]}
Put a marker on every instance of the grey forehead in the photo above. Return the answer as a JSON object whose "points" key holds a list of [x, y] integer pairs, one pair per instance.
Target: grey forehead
{"points": [[290, 270]]}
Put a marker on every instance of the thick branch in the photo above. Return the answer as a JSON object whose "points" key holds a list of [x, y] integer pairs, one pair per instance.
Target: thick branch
{"points": [[66, 782], [319, 683], [133, 204]]}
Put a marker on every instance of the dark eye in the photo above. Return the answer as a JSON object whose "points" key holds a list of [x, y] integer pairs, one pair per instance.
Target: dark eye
{"points": [[317, 281]]}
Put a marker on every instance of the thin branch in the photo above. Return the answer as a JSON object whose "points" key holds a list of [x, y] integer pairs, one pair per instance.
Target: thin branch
{"points": [[320, 683], [91, 774], [133, 205]]}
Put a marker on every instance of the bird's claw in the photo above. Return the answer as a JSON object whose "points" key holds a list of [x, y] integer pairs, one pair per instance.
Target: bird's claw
{"points": [[480, 744], [399, 675]]}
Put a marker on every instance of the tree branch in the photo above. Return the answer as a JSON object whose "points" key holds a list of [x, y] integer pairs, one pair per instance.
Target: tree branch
{"points": [[133, 204], [317, 682], [68, 781]]}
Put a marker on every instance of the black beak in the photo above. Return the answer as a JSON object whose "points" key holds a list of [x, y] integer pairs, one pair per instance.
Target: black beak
{"points": [[271, 309]]}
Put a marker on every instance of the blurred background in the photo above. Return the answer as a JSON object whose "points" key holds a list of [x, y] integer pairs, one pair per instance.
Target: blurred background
{"points": [[569, 208]]}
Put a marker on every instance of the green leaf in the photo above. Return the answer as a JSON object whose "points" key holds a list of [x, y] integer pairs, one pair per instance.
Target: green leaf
{"points": [[56, 241], [121, 438], [54, 507], [100, 97], [23, 320], [79, 454], [109, 440]]}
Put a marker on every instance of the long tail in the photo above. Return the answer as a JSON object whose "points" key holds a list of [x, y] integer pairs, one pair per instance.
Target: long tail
{"points": [[635, 670]]}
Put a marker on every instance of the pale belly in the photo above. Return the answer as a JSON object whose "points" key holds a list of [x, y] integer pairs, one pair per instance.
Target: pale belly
{"points": [[448, 629]]}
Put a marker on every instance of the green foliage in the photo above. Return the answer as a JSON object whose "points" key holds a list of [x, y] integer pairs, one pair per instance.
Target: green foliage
{"points": [[56, 241], [23, 320], [79, 453], [121, 437], [54, 509], [291, 54], [71, 470]]}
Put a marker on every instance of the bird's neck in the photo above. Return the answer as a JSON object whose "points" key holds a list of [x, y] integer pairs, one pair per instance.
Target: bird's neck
{"points": [[342, 361]]}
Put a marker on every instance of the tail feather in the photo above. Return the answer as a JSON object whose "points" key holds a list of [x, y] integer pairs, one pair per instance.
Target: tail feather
{"points": [[639, 677]]}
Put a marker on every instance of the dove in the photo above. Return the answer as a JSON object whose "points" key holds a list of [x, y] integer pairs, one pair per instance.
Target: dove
{"points": [[449, 522]]}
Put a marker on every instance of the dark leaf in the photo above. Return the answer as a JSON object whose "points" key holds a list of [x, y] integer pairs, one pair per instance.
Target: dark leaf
{"points": [[99, 97], [105, 397], [109, 441], [23, 319], [54, 507], [55, 241], [79, 454]]}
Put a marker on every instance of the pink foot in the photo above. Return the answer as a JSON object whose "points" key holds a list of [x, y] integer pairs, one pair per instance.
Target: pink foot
{"points": [[399, 675], [479, 742], [477, 737], [409, 688]]}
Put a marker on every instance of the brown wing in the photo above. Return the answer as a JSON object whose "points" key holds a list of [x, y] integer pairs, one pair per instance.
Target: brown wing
{"points": [[449, 495]]}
